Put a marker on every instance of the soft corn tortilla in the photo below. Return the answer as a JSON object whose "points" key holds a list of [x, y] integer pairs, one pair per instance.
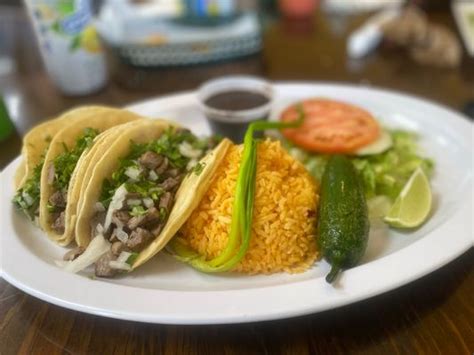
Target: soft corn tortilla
{"points": [[191, 191], [37, 140], [118, 147], [101, 119], [189, 195]]}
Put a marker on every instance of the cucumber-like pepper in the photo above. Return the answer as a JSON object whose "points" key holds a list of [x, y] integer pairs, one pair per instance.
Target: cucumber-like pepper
{"points": [[343, 225]]}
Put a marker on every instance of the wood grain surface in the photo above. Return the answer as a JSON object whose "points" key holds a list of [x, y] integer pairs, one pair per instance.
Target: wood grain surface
{"points": [[433, 315]]}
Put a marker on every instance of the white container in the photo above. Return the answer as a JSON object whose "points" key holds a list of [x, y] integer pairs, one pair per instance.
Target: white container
{"points": [[69, 45], [233, 123]]}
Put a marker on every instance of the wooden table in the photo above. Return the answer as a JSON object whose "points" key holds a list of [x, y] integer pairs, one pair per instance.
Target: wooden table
{"points": [[433, 315]]}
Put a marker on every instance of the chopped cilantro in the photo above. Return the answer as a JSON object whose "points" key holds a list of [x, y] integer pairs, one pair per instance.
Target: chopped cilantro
{"points": [[131, 259], [166, 145], [27, 198], [65, 163], [198, 168], [138, 211], [52, 208], [155, 193], [163, 214]]}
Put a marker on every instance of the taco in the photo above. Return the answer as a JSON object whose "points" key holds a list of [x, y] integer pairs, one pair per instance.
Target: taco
{"points": [[139, 193], [56, 140], [69, 154], [36, 142], [35, 145]]}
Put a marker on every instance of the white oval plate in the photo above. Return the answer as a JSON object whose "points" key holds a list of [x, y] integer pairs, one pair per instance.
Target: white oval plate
{"points": [[166, 291]]}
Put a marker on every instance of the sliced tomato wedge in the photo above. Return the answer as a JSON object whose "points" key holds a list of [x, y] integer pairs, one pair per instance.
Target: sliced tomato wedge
{"points": [[331, 126]]}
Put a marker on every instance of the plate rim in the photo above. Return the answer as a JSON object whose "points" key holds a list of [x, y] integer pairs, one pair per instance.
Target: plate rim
{"points": [[306, 285]]}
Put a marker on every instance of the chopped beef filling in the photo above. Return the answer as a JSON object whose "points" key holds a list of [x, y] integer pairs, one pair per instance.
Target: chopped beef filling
{"points": [[120, 218], [138, 238], [139, 196], [58, 199], [139, 218], [170, 183], [117, 248], [59, 175], [162, 168], [57, 204], [150, 160], [59, 222], [166, 201], [151, 216], [102, 266], [174, 173], [156, 230]]}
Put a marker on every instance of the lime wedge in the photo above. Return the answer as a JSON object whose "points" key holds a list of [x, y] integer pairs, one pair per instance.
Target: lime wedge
{"points": [[413, 205]]}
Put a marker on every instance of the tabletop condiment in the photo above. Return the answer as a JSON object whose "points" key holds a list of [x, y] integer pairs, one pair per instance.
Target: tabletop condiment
{"points": [[235, 100], [230, 104]]}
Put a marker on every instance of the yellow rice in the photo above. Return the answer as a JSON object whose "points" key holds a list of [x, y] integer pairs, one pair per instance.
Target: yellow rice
{"points": [[283, 228]]}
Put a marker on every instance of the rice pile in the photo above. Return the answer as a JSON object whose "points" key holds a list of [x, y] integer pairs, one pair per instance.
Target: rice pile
{"points": [[283, 228]]}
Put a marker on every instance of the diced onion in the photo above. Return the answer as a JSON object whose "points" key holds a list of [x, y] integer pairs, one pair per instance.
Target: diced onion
{"points": [[99, 228], [115, 204], [123, 257], [152, 175], [118, 223], [121, 235], [134, 202], [133, 173], [99, 207], [96, 248], [114, 264], [188, 151], [28, 199], [61, 263], [191, 164], [148, 202]]}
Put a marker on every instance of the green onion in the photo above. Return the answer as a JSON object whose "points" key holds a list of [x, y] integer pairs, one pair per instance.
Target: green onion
{"points": [[242, 212], [131, 259], [138, 211]]}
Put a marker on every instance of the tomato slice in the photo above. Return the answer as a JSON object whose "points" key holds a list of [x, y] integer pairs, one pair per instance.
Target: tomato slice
{"points": [[331, 126]]}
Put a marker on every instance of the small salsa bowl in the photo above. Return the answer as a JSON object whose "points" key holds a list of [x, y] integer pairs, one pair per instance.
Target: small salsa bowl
{"points": [[231, 103]]}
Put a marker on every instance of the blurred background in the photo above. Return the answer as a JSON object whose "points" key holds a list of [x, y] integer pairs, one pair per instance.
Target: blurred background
{"points": [[56, 54]]}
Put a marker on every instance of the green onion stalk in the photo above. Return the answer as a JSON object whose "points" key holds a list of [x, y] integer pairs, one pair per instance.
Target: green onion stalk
{"points": [[242, 210]]}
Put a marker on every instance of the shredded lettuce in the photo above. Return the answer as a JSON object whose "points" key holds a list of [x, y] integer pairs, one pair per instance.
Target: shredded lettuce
{"points": [[383, 174]]}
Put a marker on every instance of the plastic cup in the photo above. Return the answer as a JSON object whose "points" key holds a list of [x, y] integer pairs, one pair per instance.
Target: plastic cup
{"points": [[69, 45]]}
